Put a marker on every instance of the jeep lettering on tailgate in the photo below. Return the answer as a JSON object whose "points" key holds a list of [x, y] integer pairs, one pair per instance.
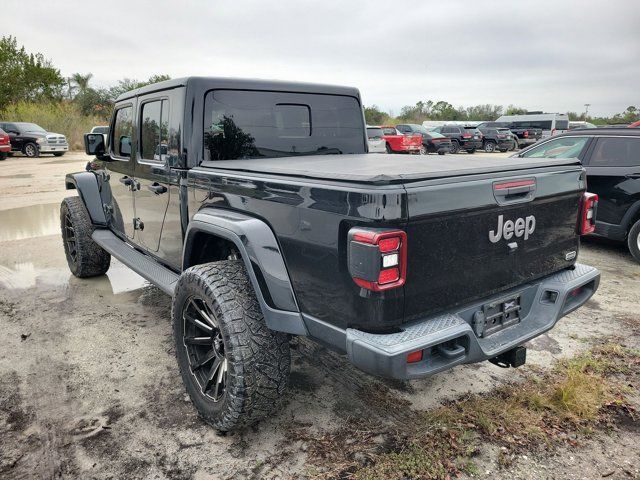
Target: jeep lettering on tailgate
{"points": [[519, 227]]}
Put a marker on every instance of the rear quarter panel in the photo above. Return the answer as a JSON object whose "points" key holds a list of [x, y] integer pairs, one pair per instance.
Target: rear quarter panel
{"points": [[310, 221]]}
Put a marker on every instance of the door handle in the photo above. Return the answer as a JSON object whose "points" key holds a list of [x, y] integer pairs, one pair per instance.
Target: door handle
{"points": [[126, 181], [157, 188]]}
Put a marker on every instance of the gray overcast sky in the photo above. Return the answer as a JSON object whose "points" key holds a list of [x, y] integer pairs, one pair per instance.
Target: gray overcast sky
{"points": [[551, 55]]}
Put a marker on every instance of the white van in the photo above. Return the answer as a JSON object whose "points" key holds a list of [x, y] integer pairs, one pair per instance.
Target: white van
{"points": [[550, 123]]}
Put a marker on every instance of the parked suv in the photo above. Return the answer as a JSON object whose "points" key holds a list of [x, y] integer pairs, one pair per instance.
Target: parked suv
{"points": [[32, 139], [462, 138], [261, 227], [497, 138], [432, 142], [611, 157], [522, 136]]}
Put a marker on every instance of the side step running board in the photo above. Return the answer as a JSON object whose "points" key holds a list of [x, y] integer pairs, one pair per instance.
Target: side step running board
{"points": [[140, 263]]}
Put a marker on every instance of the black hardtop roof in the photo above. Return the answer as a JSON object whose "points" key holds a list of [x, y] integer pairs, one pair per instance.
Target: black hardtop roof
{"points": [[208, 83], [625, 132]]}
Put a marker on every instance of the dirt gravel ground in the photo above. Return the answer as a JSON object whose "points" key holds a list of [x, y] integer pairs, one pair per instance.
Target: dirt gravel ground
{"points": [[89, 386]]}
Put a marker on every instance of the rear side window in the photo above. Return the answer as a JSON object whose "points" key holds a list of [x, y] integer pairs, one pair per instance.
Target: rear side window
{"points": [[542, 124], [154, 130], [250, 124], [562, 124], [389, 131], [616, 152], [564, 147], [122, 130], [374, 133]]}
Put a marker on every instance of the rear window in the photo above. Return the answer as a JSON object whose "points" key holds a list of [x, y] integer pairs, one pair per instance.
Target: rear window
{"points": [[374, 133], [616, 152], [389, 131], [249, 124], [542, 124]]}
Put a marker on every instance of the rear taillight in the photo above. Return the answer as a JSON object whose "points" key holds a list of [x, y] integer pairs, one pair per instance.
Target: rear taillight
{"points": [[588, 209], [553, 132], [525, 134], [377, 258], [466, 135]]}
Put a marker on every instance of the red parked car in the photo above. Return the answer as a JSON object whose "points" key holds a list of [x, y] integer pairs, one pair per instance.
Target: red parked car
{"points": [[5, 144], [399, 143]]}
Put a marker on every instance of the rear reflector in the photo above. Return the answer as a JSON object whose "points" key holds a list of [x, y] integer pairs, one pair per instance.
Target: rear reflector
{"points": [[514, 184], [414, 357]]}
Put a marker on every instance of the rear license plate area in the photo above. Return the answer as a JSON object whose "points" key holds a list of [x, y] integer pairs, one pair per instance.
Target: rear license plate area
{"points": [[498, 315]]}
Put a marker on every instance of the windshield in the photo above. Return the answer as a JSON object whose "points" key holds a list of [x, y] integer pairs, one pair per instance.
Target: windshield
{"points": [[259, 124], [374, 133], [31, 127], [419, 129]]}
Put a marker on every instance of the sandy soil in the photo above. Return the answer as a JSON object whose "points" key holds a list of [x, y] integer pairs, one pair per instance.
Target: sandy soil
{"points": [[89, 387]]}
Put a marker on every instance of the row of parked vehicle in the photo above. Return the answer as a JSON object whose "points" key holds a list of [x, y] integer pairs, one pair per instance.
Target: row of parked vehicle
{"points": [[30, 139], [509, 132]]}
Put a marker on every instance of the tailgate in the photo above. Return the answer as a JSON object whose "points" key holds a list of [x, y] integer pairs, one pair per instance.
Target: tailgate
{"points": [[457, 250]]}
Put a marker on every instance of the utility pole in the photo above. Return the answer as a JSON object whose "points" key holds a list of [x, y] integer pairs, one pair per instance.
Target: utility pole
{"points": [[586, 110]]}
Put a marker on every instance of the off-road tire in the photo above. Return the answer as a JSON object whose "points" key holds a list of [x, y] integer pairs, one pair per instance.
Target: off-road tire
{"points": [[31, 150], [423, 150], [89, 259], [58, 154], [455, 146], [258, 359], [633, 240]]}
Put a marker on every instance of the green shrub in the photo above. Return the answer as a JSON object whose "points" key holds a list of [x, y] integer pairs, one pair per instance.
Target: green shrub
{"points": [[60, 117]]}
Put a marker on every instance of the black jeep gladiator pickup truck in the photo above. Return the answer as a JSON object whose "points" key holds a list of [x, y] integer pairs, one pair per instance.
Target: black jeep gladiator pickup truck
{"points": [[256, 206]]}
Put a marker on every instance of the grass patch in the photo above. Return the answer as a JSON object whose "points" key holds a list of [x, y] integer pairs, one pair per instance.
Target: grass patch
{"points": [[575, 398]]}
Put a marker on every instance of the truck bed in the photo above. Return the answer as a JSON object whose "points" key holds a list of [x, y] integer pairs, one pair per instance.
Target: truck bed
{"points": [[384, 169]]}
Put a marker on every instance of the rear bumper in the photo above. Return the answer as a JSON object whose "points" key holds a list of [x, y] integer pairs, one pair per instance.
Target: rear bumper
{"points": [[527, 141], [469, 144], [5, 148], [386, 354], [408, 148]]}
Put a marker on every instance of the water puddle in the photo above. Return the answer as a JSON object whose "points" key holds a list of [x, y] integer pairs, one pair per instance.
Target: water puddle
{"points": [[119, 279], [28, 222]]}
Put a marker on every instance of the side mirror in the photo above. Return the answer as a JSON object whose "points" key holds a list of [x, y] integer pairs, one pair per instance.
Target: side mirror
{"points": [[94, 144]]}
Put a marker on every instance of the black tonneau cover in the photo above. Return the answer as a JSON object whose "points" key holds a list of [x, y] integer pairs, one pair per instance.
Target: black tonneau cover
{"points": [[384, 169]]}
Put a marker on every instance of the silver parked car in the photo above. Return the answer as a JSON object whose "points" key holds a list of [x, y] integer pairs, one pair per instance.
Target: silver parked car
{"points": [[376, 142]]}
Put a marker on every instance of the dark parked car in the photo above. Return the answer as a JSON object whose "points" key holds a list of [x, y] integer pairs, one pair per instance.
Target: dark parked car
{"points": [[462, 138], [612, 160], [497, 139], [32, 139], [5, 144], [523, 135], [432, 142]]}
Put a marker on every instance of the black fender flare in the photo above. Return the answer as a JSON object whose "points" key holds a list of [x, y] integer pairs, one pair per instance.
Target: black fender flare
{"points": [[263, 260], [86, 183]]}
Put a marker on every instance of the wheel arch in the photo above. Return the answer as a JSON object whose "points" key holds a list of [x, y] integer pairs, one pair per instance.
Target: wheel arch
{"points": [[261, 255], [631, 216], [88, 189]]}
